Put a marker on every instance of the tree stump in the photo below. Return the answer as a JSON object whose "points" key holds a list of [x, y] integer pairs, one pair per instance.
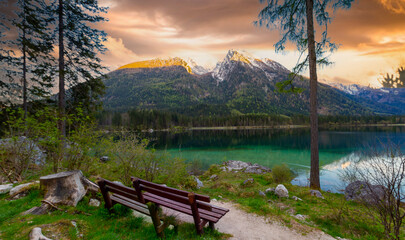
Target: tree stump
{"points": [[64, 188]]}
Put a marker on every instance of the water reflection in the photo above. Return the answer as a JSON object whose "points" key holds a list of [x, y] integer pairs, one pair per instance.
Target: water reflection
{"points": [[338, 148]]}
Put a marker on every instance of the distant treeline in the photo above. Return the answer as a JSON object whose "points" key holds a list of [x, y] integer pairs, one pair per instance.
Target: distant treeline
{"points": [[155, 119]]}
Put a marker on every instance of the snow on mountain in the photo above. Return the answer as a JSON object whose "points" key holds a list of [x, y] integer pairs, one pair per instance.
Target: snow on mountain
{"points": [[195, 68], [352, 89], [222, 69]]}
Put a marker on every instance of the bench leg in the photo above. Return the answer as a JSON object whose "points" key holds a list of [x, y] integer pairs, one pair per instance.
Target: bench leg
{"points": [[212, 226], [154, 214]]}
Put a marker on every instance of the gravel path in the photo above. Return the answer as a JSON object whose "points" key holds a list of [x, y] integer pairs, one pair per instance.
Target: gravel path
{"points": [[246, 226]]}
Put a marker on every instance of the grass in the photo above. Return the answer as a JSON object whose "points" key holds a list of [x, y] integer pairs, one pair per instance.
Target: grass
{"points": [[92, 222], [333, 215]]}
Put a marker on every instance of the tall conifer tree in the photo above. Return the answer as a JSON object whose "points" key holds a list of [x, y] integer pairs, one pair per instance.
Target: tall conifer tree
{"points": [[295, 20], [79, 45], [27, 59], [35, 45]]}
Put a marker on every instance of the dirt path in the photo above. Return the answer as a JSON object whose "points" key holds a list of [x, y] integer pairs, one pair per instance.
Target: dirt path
{"points": [[247, 226]]}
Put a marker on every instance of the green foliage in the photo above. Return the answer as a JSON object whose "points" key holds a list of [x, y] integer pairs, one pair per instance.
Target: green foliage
{"points": [[20, 158], [281, 173], [290, 18], [129, 157]]}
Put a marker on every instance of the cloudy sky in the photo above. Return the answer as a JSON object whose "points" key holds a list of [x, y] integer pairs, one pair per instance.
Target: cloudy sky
{"points": [[371, 35]]}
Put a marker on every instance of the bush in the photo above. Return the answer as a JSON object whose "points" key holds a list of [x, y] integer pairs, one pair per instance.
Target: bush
{"points": [[130, 157], [281, 173]]}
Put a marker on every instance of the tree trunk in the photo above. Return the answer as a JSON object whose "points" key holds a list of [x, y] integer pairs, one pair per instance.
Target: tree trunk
{"points": [[314, 182], [24, 52], [61, 104]]}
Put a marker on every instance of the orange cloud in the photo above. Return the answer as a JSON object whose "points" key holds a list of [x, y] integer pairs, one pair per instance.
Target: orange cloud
{"points": [[397, 6]]}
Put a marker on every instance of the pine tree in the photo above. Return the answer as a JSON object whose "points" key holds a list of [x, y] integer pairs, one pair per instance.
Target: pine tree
{"points": [[79, 45], [295, 20], [7, 84], [35, 44], [389, 81]]}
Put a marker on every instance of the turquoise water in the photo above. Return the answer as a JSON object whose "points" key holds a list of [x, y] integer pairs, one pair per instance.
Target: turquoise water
{"points": [[268, 147]]}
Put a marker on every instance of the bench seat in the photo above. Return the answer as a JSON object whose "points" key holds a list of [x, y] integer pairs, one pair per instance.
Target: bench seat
{"points": [[145, 192]]}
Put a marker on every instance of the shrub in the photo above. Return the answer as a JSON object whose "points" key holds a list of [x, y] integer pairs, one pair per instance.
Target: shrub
{"points": [[281, 174], [130, 157]]}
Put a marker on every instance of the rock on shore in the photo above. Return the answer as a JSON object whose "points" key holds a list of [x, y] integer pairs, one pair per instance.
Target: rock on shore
{"points": [[234, 165]]}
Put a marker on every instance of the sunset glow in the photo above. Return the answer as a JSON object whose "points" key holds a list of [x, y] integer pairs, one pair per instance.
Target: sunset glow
{"points": [[371, 35]]}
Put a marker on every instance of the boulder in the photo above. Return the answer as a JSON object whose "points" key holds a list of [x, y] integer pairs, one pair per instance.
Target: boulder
{"points": [[236, 166], [94, 202], [316, 193], [365, 192], [21, 188], [36, 234], [199, 183], [281, 191], [5, 188], [26, 144]]}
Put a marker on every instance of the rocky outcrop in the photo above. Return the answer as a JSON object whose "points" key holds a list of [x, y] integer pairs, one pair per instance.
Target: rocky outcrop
{"points": [[281, 191], [5, 188], [233, 165], [365, 192]]}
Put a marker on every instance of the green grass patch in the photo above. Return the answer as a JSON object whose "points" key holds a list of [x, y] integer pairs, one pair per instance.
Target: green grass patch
{"points": [[92, 222], [334, 214]]}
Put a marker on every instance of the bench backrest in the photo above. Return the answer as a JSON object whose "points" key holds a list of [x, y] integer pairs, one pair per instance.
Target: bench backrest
{"points": [[171, 193], [120, 189]]}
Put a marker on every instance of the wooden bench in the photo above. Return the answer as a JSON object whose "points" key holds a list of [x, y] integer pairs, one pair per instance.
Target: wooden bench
{"points": [[146, 197]]}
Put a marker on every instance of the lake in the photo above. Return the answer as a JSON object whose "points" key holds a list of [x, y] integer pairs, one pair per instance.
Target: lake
{"points": [[268, 147]]}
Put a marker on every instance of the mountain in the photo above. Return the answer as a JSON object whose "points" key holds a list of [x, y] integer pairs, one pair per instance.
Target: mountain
{"points": [[158, 63], [239, 84], [392, 99]]}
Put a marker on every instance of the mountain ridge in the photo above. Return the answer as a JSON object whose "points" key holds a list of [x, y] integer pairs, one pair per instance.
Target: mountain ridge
{"points": [[239, 84]]}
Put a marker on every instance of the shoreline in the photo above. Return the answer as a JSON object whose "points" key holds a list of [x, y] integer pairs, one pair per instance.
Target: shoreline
{"points": [[290, 126]]}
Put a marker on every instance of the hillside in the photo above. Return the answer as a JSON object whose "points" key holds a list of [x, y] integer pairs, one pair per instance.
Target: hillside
{"points": [[237, 85]]}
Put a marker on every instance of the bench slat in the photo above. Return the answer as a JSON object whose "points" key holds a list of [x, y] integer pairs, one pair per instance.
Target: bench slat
{"points": [[130, 205], [200, 197], [129, 195], [178, 208], [167, 195], [203, 211], [131, 201], [119, 186]]}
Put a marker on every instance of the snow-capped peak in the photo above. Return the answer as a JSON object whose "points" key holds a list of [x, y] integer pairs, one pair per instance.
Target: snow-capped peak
{"points": [[195, 68], [222, 69], [352, 89]]}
